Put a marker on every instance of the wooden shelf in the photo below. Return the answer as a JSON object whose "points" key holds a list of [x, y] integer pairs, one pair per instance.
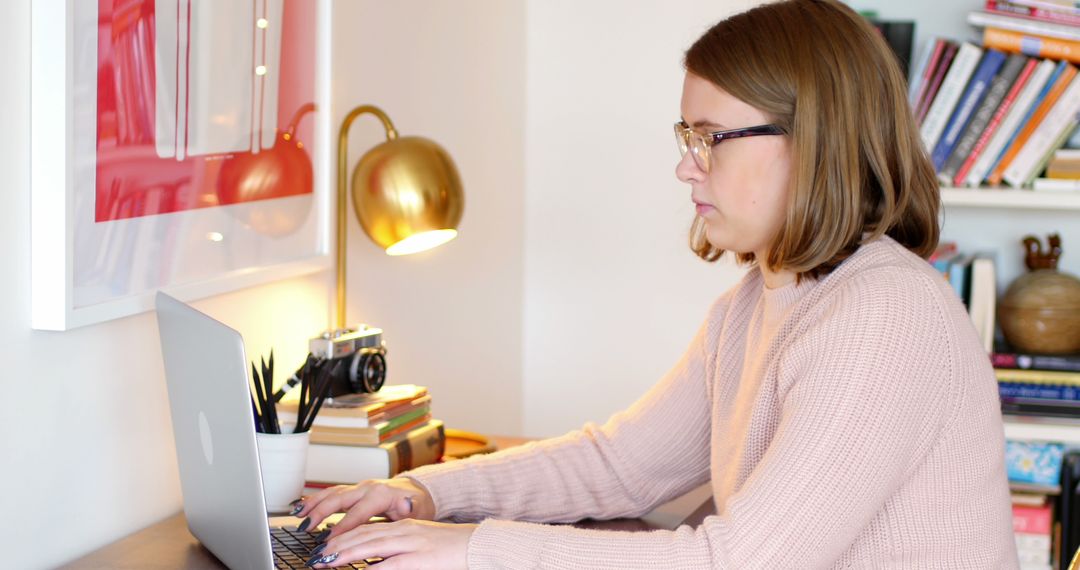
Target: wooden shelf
{"points": [[1009, 198]]}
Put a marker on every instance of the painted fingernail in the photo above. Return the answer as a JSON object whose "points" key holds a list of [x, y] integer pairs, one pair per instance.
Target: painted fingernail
{"points": [[304, 524], [322, 535], [321, 560], [297, 507], [318, 549]]}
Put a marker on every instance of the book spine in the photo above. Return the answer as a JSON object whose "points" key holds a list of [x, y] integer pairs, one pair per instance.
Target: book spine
{"points": [[999, 86], [423, 446], [1012, 9], [942, 68], [1039, 391], [1032, 123], [1037, 376], [973, 96], [1032, 520], [1070, 8], [988, 158], [1027, 26], [1035, 361], [1040, 166], [1038, 46], [987, 133], [923, 66], [1049, 130], [1055, 185], [951, 88]]}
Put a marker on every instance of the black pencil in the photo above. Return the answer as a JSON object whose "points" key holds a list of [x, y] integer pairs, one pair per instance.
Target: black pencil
{"points": [[323, 389], [261, 398]]}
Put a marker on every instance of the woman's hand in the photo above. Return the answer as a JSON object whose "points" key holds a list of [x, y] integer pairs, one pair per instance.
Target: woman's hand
{"points": [[395, 499], [402, 544]]}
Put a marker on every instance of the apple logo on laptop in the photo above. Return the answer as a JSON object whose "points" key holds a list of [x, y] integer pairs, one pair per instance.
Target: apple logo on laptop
{"points": [[206, 439]]}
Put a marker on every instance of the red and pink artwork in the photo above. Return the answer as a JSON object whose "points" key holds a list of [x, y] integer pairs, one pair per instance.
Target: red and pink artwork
{"points": [[203, 104]]}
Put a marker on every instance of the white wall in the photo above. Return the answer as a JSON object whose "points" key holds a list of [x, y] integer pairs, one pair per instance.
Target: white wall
{"points": [[452, 72], [613, 293]]}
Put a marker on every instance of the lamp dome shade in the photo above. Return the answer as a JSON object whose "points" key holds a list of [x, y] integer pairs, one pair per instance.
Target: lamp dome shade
{"points": [[407, 195]]}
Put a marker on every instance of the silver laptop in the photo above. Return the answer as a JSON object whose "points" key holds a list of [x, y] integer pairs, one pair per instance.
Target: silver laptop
{"points": [[206, 372]]}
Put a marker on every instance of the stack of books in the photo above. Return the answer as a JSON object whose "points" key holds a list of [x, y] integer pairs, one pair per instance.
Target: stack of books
{"points": [[1037, 384], [371, 436], [995, 113], [1035, 470], [973, 277]]}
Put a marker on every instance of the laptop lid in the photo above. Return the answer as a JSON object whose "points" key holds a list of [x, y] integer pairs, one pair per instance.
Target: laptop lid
{"points": [[205, 369]]}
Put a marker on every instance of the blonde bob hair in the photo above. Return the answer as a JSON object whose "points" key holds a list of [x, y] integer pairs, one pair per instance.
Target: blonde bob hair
{"points": [[826, 76]]}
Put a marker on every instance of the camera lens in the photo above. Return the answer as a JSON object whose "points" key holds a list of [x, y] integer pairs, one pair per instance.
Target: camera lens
{"points": [[367, 371]]}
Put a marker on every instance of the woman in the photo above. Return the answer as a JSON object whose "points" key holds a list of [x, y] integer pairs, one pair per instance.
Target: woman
{"points": [[838, 397]]}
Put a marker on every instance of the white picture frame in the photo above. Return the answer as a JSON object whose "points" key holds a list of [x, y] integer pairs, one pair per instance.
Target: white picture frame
{"points": [[86, 268]]}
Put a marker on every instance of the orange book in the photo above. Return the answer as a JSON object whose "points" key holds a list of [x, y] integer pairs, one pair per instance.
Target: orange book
{"points": [[1041, 46], [1044, 107]]}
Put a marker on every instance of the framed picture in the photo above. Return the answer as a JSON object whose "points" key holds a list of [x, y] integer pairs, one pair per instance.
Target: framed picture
{"points": [[180, 145]]}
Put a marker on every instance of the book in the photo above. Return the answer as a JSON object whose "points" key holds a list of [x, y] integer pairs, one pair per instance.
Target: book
{"points": [[1023, 361], [959, 277], [973, 133], [1055, 185], [1046, 135], [1037, 46], [924, 68], [973, 96], [346, 464], [999, 87], [364, 417], [1016, 390], [1038, 407], [1031, 26], [1010, 119], [1040, 165], [943, 65], [1034, 12], [367, 436], [952, 86], [1058, 377], [1034, 462], [983, 298], [363, 410], [1059, 81]]}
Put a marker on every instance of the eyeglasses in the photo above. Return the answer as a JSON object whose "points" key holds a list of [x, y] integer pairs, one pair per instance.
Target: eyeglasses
{"points": [[701, 144]]}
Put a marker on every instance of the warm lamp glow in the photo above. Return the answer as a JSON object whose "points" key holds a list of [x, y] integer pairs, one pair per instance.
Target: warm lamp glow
{"points": [[421, 242]]}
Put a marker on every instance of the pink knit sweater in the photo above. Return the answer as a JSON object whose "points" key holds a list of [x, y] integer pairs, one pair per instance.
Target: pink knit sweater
{"points": [[851, 422]]}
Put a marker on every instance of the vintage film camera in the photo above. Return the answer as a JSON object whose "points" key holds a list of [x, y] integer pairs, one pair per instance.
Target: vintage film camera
{"points": [[354, 358]]}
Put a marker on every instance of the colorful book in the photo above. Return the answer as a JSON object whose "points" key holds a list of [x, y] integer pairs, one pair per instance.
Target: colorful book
{"points": [[1034, 12], [1000, 86], [1037, 46], [1011, 122], [1017, 390], [362, 420], [1034, 462], [1027, 26], [1055, 86], [368, 436], [952, 87], [363, 410], [1046, 133], [977, 88], [943, 65], [1023, 361], [346, 464], [924, 68], [1052, 377]]}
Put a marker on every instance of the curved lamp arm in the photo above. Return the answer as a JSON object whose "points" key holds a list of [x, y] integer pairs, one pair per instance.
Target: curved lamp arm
{"points": [[342, 204]]}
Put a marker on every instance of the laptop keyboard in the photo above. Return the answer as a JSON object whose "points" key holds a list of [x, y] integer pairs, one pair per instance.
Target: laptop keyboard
{"points": [[292, 548]]}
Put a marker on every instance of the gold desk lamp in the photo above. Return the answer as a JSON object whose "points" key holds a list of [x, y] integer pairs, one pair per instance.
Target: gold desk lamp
{"points": [[406, 194]]}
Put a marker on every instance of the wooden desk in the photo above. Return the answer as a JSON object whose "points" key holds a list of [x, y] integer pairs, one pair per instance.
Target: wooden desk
{"points": [[168, 545]]}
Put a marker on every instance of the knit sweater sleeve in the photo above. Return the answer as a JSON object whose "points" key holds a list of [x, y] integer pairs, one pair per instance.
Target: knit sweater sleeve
{"points": [[621, 469], [864, 392]]}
